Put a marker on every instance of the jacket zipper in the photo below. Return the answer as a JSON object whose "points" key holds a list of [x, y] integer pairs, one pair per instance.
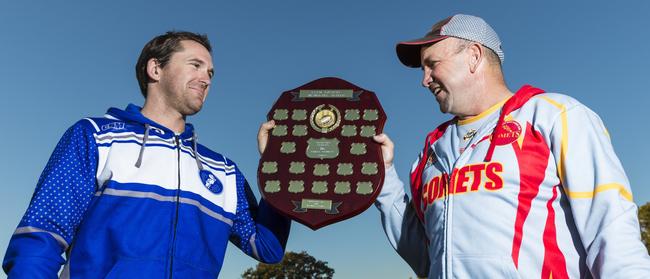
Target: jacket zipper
{"points": [[178, 193], [447, 202]]}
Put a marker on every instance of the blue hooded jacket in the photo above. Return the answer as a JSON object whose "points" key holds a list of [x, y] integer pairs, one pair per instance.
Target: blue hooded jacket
{"points": [[124, 196]]}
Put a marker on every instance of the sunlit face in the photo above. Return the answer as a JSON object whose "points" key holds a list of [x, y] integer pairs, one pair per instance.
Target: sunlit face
{"points": [[185, 80], [445, 74]]}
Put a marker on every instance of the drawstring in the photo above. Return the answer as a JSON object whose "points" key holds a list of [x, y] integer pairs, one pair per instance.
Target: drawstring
{"points": [[209, 180], [144, 142], [146, 137], [196, 153], [497, 130]]}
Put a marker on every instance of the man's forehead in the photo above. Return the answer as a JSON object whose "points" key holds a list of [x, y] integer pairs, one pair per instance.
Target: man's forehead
{"points": [[438, 48], [193, 50]]}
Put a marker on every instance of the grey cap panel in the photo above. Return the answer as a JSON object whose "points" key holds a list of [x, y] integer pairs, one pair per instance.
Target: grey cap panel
{"points": [[474, 29]]}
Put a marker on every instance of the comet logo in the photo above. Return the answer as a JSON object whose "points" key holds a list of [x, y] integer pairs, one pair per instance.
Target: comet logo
{"points": [[510, 131]]}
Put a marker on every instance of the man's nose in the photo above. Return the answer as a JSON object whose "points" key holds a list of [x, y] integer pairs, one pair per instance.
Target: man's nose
{"points": [[426, 78], [205, 83], [205, 79]]}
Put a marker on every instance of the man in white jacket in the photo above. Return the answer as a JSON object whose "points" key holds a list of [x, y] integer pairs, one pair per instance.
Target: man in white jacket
{"points": [[522, 184]]}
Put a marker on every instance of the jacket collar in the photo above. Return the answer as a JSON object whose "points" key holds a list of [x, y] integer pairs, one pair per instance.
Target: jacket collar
{"points": [[133, 113]]}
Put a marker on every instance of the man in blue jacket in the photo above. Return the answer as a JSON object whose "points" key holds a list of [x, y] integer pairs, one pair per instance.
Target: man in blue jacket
{"points": [[133, 193]]}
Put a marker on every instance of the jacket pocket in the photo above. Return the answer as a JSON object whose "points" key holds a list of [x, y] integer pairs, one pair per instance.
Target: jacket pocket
{"points": [[137, 268], [484, 266]]}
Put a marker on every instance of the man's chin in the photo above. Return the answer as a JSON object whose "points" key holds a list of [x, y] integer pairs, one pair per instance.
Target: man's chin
{"points": [[444, 109], [192, 110]]}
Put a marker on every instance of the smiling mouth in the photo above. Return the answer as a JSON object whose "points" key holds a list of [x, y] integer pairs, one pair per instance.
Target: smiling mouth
{"points": [[200, 91], [435, 90], [199, 88]]}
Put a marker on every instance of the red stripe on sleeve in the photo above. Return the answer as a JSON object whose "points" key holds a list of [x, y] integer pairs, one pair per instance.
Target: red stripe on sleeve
{"points": [[554, 261]]}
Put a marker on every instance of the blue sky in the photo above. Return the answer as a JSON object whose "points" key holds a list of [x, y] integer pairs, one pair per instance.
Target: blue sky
{"points": [[61, 62]]}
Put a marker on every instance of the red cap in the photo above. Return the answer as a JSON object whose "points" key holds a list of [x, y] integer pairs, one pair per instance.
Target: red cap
{"points": [[408, 52]]}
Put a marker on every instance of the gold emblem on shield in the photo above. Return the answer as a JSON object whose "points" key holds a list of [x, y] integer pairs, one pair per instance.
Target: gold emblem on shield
{"points": [[325, 118]]}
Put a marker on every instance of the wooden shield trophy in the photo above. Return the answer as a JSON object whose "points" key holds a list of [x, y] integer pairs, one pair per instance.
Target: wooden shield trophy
{"points": [[321, 164]]}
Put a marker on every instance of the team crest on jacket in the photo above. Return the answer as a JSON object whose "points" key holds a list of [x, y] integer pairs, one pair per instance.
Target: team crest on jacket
{"points": [[510, 131], [469, 135], [211, 182]]}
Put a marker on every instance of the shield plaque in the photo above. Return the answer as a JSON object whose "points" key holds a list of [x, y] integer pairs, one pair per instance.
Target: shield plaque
{"points": [[321, 164]]}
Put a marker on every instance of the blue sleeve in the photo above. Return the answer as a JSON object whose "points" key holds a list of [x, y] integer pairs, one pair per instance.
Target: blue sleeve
{"points": [[58, 204], [258, 230]]}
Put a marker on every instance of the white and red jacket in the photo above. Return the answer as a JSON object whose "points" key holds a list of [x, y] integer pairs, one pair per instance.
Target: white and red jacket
{"points": [[530, 188]]}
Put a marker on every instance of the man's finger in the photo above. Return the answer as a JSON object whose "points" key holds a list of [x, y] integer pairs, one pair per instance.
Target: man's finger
{"points": [[263, 135], [386, 148]]}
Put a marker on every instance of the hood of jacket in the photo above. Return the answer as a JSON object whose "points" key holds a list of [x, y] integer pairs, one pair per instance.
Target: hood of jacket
{"points": [[133, 114]]}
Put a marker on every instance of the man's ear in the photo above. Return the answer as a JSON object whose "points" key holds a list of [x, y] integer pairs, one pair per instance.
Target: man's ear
{"points": [[476, 56], [153, 69]]}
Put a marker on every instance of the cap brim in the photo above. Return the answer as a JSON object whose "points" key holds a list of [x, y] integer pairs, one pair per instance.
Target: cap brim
{"points": [[408, 52]]}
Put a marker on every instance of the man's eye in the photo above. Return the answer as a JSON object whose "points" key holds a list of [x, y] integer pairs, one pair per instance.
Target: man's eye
{"points": [[196, 65], [428, 65]]}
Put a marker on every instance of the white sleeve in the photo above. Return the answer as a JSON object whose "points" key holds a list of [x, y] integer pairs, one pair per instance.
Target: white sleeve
{"points": [[599, 194], [401, 225]]}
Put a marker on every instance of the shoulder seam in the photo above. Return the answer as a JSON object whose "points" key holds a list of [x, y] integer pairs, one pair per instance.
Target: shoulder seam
{"points": [[93, 123]]}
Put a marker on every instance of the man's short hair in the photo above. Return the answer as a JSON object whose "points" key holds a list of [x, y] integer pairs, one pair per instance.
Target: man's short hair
{"points": [[161, 48], [492, 57]]}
